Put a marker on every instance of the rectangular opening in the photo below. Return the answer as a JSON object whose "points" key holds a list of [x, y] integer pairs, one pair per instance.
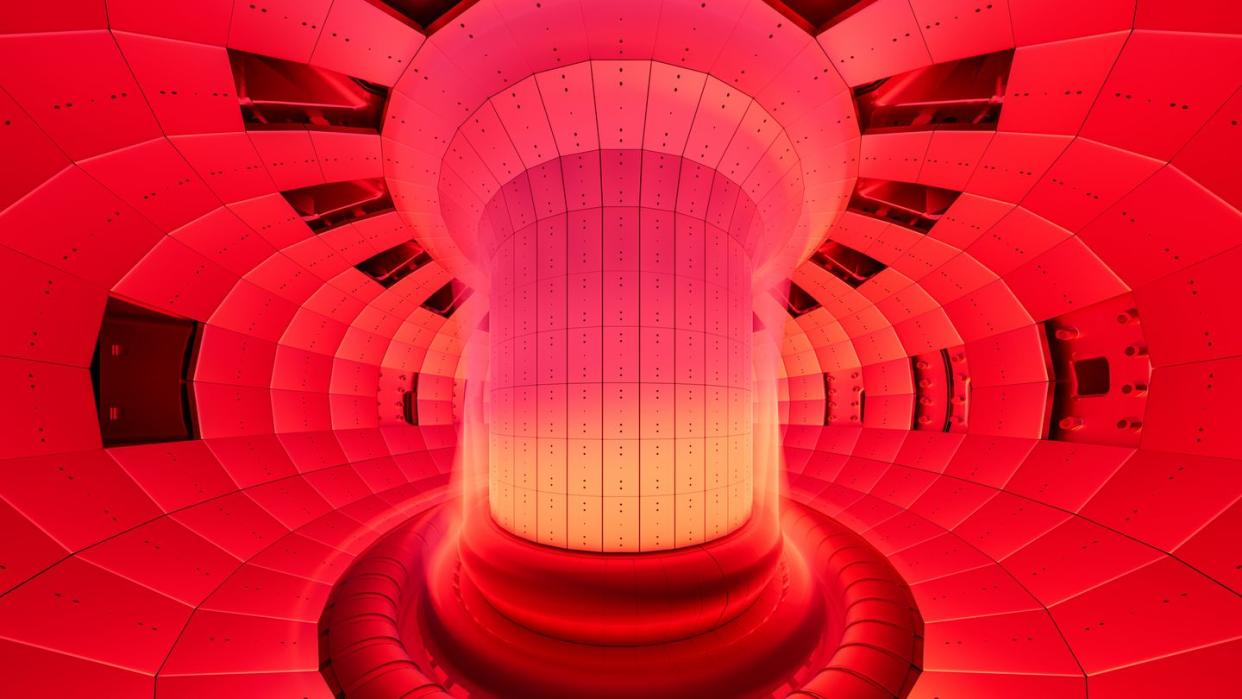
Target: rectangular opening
{"points": [[429, 14], [799, 301], [846, 263], [448, 298], [395, 263], [1091, 376], [409, 402], [326, 206], [827, 398], [279, 94], [966, 94], [915, 206], [818, 15], [141, 372]]}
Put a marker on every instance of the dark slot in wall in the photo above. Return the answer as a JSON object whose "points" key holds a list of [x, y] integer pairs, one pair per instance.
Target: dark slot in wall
{"points": [[427, 14], [394, 264], [914, 206], [1098, 361], [142, 373], [1091, 376], [409, 402], [326, 206], [817, 15], [447, 299], [966, 94], [846, 263], [828, 403], [279, 94], [799, 301]]}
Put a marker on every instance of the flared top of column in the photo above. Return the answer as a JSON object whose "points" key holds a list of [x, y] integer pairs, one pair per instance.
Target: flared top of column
{"points": [[730, 85]]}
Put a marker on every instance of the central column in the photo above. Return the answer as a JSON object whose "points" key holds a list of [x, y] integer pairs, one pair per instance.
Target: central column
{"points": [[620, 329]]}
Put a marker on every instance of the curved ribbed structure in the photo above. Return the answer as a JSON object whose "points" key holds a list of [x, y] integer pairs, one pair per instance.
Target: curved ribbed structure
{"points": [[336, 331]]}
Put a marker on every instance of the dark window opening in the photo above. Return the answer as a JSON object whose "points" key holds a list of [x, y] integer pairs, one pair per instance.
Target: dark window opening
{"points": [[914, 206], [846, 263], [141, 372], [965, 95], [828, 403], [395, 263], [818, 15], [1091, 376], [799, 301], [326, 206], [448, 298], [429, 14], [409, 402], [279, 94]]}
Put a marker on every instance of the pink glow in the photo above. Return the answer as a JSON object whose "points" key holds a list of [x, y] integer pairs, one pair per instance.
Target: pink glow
{"points": [[621, 362], [247, 391]]}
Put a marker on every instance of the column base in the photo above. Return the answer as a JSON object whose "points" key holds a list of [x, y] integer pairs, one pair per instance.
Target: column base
{"points": [[724, 618], [619, 599]]}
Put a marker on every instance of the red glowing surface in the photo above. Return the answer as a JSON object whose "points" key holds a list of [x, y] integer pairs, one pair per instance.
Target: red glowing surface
{"points": [[268, 265]]}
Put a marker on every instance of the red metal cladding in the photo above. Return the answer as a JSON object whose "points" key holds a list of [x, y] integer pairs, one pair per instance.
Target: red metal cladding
{"points": [[964, 272]]}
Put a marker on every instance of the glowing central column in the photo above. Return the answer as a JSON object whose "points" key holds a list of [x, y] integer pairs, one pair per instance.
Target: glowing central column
{"points": [[621, 374]]}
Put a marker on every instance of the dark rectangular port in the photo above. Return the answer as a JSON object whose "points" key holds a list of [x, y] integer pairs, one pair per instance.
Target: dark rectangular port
{"points": [[279, 94], [395, 263], [798, 301], [1091, 376], [827, 398], [428, 14], [966, 94], [141, 371], [817, 15], [915, 206], [326, 206], [448, 298], [409, 402], [846, 263]]}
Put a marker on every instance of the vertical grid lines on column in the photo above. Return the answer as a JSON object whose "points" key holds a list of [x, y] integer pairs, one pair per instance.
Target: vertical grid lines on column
{"points": [[672, 404], [739, 330], [699, 461], [502, 477], [627, 350], [603, 504], [640, 380]]}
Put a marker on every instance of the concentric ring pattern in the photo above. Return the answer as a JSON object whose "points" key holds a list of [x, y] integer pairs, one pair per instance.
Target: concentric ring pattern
{"points": [[1010, 361]]}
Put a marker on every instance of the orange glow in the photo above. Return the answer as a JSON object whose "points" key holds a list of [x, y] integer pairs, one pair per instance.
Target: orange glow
{"points": [[621, 321]]}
